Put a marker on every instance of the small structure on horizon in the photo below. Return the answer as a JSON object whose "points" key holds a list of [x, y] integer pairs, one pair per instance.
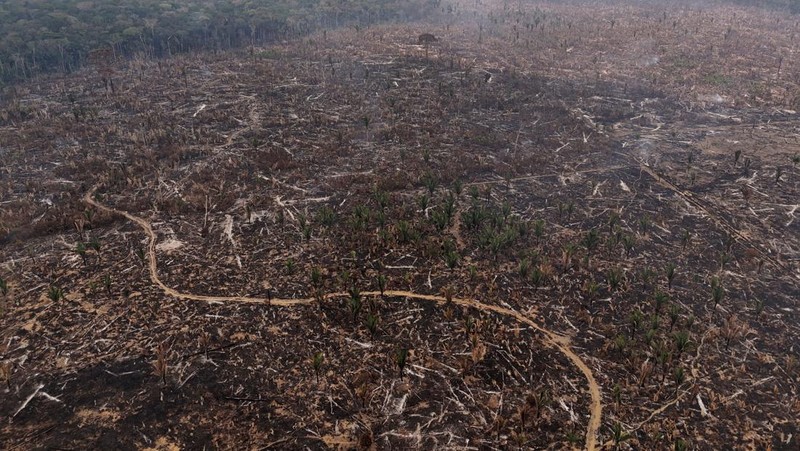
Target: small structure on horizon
{"points": [[426, 39]]}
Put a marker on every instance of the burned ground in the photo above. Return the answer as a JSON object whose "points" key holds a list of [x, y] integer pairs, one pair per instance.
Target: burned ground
{"points": [[521, 210]]}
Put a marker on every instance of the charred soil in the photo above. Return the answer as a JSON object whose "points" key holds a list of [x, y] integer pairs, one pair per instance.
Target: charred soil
{"points": [[526, 233]]}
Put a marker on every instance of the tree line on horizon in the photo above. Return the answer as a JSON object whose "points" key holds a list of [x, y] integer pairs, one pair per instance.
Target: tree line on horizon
{"points": [[39, 36]]}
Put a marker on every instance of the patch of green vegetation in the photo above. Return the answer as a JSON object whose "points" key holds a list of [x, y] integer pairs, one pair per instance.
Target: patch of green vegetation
{"points": [[717, 80], [758, 90], [683, 62]]}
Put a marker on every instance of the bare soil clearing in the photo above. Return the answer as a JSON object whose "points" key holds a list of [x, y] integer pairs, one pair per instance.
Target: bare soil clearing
{"points": [[582, 240]]}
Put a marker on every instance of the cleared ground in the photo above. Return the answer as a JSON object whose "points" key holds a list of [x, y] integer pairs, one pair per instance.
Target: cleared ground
{"points": [[578, 241]]}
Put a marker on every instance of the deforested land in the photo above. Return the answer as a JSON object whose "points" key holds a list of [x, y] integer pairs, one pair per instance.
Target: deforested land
{"points": [[425, 225]]}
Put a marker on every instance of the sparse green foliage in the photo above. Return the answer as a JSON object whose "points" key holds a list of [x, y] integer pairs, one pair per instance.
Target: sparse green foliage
{"points": [[621, 343], [430, 182], [679, 376], [663, 356], [524, 268], [723, 258], [758, 307], [458, 187], [94, 244], [449, 206], [317, 283], [674, 315], [538, 229], [382, 199], [613, 221], [685, 239], [644, 224], [80, 249], [520, 438], [371, 322], [538, 401], [681, 339], [440, 220], [344, 278], [316, 363], [590, 289], [326, 216], [89, 215], [405, 232], [505, 209], [3, 286], [501, 223], [629, 242], [655, 321], [316, 277], [565, 210], [728, 242], [567, 252], [649, 336], [618, 434], [647, 276], [355, 302], [573, 438], [423, 201], [452, 258], [380, 218], [747, 164], [635, 318], [382, 282], [107, 283], [400, 359], [473, 272], [659, 299], [360, 217], [717, 292], [538, 277], [55, 293], [472, 218], [469, 324], [590, 242], [140, 253], [614, 277]]}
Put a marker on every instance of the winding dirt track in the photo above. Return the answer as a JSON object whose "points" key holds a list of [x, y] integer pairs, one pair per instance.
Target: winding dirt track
{"points": [[558, 341]]}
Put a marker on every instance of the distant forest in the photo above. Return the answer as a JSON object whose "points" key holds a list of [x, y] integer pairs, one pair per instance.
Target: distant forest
{"points": [[58, 35], [792, 6]]}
